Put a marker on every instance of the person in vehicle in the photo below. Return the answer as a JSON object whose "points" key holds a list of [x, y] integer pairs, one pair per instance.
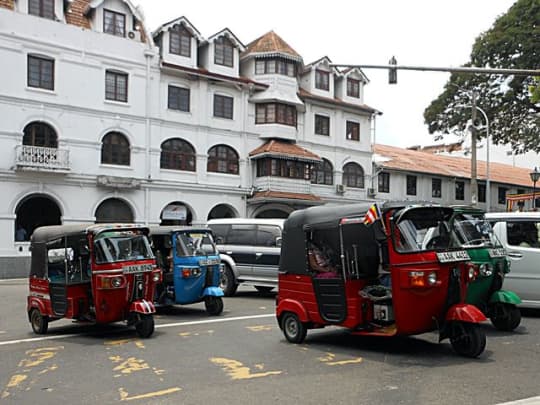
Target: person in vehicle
{"points": [[320, 262]]}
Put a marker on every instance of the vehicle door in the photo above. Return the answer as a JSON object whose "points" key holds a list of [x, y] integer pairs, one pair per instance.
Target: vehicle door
{"points": [[57, 272], [520, 238], [267, 250], [240, 246]]}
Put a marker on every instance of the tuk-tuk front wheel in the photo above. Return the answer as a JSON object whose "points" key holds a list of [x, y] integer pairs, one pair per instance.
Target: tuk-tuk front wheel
{"points": [[214, 305], [39, 322], [293, 329], [145, 326], [505, 317], [467, 339]]}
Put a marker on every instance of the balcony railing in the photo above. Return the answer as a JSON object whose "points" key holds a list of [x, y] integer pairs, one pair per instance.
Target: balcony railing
{"points": [[41, 158], [283, 184]]}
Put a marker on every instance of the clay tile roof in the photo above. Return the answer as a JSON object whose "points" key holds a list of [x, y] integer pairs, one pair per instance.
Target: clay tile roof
{"points": [[285, 195], [285, 150], [7, 4], [75, 13], [392, 157], [271, 43]]}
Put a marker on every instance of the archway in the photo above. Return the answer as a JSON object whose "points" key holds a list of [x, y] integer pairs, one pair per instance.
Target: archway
{"points": [[176, 213], [222, 211], [33, 212], [114, 210]]}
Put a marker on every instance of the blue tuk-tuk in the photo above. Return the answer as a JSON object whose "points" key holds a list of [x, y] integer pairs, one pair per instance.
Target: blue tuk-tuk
{"points": [[190, 263]]}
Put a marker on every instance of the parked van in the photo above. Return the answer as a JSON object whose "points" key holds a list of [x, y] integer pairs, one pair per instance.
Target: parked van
{"points": [[519, 233], [249, 249]]}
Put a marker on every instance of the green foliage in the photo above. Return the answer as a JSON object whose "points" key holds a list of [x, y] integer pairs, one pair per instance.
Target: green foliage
{"points": [[535, 91], [513, 42]]}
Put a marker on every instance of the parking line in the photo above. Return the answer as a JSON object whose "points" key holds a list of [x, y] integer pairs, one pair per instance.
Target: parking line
{"points": [[165, 325]]}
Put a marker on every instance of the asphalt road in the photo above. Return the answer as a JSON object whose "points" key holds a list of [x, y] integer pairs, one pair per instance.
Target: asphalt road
{"points": [[241, 357]]}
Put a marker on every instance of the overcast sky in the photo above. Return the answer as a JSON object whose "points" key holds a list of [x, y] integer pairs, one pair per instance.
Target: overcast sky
{"points": [[436, 33]]}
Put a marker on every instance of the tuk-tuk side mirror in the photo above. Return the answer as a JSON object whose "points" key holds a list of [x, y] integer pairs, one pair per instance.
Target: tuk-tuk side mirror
{"points": [[278, 241]]}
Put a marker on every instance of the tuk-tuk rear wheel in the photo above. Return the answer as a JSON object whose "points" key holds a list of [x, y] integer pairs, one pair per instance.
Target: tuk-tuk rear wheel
{"points": [[213, 305], [39, 322], [468, 339], [505, 317], [293, 329], [145, 326]]}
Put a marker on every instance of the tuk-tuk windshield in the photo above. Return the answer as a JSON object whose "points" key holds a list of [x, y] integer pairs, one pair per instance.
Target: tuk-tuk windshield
{"points": [[195, 244], [421, 229], [120, 246], [472, 230]]}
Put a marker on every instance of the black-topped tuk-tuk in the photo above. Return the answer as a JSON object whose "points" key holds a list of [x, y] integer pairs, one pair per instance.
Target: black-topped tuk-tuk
{"points": [[92, 273], [387, 279]]}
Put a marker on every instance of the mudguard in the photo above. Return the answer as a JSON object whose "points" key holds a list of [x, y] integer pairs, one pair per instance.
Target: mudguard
{"points": [[35, 302], [142, 307], [293, 306], [213, 291], [465, 313], [506, 297]]}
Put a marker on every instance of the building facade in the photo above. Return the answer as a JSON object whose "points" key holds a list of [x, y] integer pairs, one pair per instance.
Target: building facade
{"points": [[104, 121]]}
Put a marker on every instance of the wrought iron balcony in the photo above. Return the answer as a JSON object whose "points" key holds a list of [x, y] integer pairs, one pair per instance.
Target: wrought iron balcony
{"points": [[40, 158]]}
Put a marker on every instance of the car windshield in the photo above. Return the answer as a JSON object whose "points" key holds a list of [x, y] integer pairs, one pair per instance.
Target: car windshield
{"points": [[195, 244], [120, 246], [420, 229], [472, 230]]}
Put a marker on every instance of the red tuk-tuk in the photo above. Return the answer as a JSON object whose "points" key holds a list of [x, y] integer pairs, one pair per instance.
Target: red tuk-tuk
{"points": [[92, 273], [379, 279]]}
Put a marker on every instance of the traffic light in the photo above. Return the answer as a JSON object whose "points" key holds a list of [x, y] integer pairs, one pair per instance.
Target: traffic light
{"points": [[392, 72]]}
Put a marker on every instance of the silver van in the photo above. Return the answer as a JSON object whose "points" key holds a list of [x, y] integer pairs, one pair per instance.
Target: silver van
{"points": [[249, 250], [519, 233]]}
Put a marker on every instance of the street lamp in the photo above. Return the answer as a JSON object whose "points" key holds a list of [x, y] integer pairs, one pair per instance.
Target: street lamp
{"points": [[488, 193], [535, 176]]}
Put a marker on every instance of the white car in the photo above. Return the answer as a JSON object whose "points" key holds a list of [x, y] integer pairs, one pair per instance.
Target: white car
{"points": [[519, 232]]}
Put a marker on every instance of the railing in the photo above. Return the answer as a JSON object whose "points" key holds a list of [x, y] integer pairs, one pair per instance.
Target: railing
{"points": [[283, 184], [39, 157]]}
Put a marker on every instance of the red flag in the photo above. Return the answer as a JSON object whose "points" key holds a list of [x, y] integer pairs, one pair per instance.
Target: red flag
{"points": [[372, 215]]}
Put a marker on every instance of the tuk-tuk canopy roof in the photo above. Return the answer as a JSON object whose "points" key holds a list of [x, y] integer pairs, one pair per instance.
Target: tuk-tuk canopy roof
{"points": [[45, 234], [170, 229]]}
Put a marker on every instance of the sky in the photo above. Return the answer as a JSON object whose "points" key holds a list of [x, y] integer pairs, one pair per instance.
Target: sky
{"points": [[435, 33]]}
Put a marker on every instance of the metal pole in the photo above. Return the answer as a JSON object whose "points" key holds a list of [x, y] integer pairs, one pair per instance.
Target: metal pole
{"points": [[474, 183], [534, 196], [488, 190]]}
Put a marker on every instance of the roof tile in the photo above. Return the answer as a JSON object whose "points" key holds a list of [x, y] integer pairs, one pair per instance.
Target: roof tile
{"points": [[270, 42], [285, 149]]}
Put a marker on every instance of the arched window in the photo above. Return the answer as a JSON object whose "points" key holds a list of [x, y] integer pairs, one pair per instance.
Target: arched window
{"points": [[40, 134], [113, 210], [115, 149], [177, 154], [323, 173], [353, 175], [222, 159]]}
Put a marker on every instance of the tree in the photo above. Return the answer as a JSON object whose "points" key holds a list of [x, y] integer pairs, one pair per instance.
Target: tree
{"points": [[513, 42], [535, 91]]}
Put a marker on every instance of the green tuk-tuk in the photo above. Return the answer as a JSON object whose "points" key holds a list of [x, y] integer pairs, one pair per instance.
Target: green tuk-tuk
{"points": [[474, 233]]}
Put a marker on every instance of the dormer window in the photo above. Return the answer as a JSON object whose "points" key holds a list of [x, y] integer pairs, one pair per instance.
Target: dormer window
{"points": [[180, 42], [275, 66], [353, 88], [41, 8], [223, 53], [322, 80], [114, 23]]}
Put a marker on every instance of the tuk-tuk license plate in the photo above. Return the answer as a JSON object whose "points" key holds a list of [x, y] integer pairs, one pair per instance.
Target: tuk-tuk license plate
{"points": [[453, 256], [208, 262], [497, 252], [137, 268]]}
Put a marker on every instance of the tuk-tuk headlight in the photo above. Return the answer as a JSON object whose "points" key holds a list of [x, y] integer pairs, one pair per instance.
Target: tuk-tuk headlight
{"points": [[432, 278], [117, 282], [486, 270], [155, 277]]}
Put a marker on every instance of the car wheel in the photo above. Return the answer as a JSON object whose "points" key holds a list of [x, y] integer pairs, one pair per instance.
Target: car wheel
{"points": [[506, 317], [263, 289], [214, 305], [294, 330], [145, 326], [40, 323], [227, 282], [468, 339]]}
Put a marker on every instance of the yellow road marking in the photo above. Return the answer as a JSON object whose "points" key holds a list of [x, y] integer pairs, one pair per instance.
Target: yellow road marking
{"points": [[38, 356], [328, 359], [237, 371], [259, 328], [15, 380], [130, 365], [124, 395]]}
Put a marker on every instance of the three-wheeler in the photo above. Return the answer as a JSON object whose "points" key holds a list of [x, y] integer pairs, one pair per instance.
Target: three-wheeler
{"points": [[389, 280], [99, 273], [474, 233], [191, 264]]}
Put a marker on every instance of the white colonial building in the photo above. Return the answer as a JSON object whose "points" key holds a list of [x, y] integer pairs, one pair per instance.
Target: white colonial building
{"points": [[104, 121]]}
